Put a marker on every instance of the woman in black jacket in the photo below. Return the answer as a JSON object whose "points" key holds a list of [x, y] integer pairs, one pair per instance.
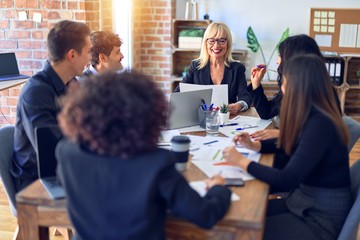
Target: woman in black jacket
{"points": [[313, 145], [267, 109]]}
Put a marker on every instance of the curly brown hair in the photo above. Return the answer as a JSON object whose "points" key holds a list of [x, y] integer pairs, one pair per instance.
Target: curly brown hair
{"points": [[115, 114], [103, 42]]}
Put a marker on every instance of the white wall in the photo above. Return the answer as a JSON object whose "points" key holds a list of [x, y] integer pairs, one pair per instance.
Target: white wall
{"points": [[268, 18]]}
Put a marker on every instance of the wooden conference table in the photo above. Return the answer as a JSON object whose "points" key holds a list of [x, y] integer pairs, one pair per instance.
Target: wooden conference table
{"points": [[11, 83], [244, 220]]}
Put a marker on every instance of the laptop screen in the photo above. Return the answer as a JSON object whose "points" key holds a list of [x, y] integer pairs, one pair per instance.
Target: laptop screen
{"points": [[183, 109], [8, 64], [46, 139]]}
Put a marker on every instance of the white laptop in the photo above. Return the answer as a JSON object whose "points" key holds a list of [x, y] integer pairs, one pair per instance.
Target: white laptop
{"points": [[183, 108], [46, 140], [219, 94]]}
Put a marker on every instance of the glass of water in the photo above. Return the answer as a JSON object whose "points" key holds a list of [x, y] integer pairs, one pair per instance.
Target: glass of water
{"points": [[212, 123]]}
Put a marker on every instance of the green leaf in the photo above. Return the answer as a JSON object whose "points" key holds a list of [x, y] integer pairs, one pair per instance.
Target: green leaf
{"points": [[252, 40], [191, 33], [284, 36]]}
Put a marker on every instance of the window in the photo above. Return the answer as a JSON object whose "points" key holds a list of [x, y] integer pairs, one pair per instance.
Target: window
{"points": [[122, 26]]}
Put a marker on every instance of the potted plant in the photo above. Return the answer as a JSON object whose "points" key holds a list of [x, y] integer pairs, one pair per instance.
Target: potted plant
{"points": [[224, 113], [358, 74], [186, 69], [190, 38]]}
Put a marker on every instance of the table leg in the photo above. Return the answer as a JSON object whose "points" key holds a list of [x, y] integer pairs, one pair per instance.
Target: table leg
{"points": [[28, 223]]}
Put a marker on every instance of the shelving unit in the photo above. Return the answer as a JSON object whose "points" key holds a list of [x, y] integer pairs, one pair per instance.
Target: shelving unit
{"points": [[182, 57], [349, 86]]}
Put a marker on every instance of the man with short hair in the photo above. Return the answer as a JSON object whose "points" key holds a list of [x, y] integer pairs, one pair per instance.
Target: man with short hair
{"points": [[68, 45], [105, 53]]}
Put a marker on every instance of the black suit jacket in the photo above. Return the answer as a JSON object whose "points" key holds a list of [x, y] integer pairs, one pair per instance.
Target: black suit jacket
{"points": [[113, 198], [268, 109], [234, 77]]}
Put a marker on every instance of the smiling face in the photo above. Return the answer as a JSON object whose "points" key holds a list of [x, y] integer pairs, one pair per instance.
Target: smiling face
{"points": [[113, 61], [217, 46]]}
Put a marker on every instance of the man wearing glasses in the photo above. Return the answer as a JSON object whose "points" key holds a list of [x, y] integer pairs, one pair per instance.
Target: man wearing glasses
{"points": [[216, 66]]}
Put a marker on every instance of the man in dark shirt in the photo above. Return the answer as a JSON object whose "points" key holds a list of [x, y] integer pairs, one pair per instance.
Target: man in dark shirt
{"points": [[68, 49], [105, 53]]}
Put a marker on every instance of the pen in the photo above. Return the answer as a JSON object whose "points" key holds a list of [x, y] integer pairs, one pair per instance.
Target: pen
{"points": [[210, 142], [228, 124], [238, 129], [216, 154], [204, 104], [263, 66], [211, 106]]}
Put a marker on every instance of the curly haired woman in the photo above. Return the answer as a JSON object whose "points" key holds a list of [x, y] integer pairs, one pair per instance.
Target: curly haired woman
{"points": [[119, 185]]}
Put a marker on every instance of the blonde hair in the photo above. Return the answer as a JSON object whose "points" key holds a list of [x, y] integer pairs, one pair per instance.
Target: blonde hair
{"points": [[214, 30]]}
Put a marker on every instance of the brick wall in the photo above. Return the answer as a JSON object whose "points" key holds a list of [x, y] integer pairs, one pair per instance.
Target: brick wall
{"points": [[28, 39], [152, 35]]}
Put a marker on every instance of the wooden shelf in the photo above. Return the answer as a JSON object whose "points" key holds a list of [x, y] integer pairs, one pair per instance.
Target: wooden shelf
{"points": [[349, 89], [181, 24], [182, 57]]}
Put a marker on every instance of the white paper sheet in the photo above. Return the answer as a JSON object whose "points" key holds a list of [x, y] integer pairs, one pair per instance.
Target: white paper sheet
{"points": [[219, 94], [244, 122], [200, 188]]}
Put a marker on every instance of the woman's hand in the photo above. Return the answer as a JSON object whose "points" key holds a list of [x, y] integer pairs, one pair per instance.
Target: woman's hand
{"points": [[265, 134], [215, 180], [234, 108], [231, 155], [256, 75], [244, 140]]}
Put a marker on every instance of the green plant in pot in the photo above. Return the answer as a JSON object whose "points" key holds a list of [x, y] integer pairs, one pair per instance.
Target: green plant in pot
{"points": [[358, 74], [224, 108], [191, 33], [224, 113], [186, 69]]}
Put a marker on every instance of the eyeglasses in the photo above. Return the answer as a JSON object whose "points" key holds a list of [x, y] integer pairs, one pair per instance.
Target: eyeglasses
{"points": [[220, 41]]}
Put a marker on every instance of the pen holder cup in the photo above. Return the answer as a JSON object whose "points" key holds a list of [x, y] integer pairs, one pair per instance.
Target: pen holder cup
{"points": [[203, 114], [202, 117]]}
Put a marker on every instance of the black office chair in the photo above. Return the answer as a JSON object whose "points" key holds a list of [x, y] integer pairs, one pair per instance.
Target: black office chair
{"points": [[6, 156], [354, 129], [351, 225]]}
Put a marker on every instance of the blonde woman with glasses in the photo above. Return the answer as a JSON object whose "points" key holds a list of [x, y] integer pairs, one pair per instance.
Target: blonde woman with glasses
{"points": [[216, 66]]}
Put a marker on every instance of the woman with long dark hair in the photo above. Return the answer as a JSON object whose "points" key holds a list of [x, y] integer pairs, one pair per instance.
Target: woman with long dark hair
{"points": [[313, 145], [267, 109]]}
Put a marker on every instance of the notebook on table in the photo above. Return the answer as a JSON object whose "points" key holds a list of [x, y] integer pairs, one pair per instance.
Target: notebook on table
{"points": [[46, 140], [9, 69], [183, 108]]}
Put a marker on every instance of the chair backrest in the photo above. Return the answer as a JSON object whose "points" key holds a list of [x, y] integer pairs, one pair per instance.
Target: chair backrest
{"points": [[6, 156], [351, 225], [354, 129]]}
